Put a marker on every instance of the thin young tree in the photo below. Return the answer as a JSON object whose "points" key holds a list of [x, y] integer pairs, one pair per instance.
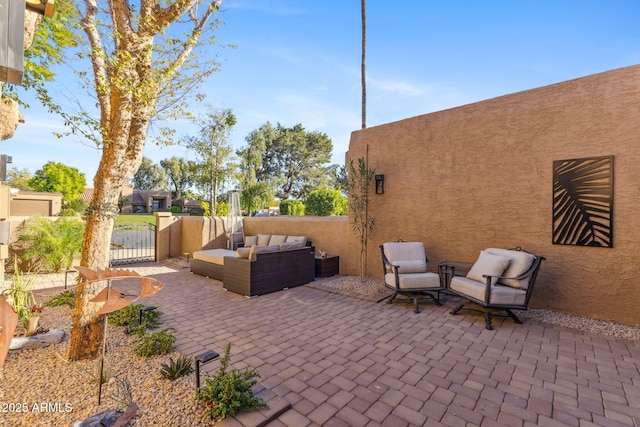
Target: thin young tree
{"points": [[143, 64], [359, 181]]}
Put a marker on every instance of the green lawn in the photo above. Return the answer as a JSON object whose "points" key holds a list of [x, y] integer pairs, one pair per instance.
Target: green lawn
{"points": [[135, 219]]}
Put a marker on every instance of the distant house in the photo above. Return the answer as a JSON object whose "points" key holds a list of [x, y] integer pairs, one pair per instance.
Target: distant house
{"points": [[27, 203], [138, 201]]}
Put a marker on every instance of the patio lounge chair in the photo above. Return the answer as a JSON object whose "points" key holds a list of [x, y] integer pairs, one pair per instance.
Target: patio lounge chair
{"points": [[405, 272], [500, 280]]}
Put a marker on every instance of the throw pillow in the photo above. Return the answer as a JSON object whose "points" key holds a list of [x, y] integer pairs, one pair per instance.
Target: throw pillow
{"points": [[243, 253], [250, 241], [263, 239], [491, 265]]}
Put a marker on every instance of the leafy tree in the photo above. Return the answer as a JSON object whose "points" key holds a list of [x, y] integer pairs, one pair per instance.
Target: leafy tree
{"points": [[181, 172], [291, 207], [255, 197], [144, 64], [150, 176], [56, 177], [290, 160], [19, 178], [359, 182], [51, 40], [214, 152], [50, 245], [325, 202]]}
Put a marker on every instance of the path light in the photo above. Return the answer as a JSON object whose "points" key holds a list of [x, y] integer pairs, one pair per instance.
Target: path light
{"points": [[203, 358], [147, 308]]}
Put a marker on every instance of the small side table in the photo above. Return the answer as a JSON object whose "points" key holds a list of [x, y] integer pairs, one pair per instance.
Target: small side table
{"points": [[328, 266]]}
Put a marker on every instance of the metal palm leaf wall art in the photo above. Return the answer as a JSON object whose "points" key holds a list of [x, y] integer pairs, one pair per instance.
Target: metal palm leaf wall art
{"points": [[583, 202]]}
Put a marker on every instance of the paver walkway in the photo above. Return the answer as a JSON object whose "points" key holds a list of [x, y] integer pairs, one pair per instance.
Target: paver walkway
{"points": [[342, 361]]}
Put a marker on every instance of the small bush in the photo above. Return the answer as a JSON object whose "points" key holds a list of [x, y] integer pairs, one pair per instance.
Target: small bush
{"points": [[291, 207], [65, 298], [155, 344], [130, 316], [229, 391], [174, 369], [325, 202], [176, 209], [51, 245]]}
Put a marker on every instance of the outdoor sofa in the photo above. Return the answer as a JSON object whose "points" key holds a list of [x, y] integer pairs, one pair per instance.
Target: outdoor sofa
{"points": [[262, 264]]}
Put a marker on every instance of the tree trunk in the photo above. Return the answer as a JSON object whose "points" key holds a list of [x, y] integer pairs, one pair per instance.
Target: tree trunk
{"points": [[119, 162]]}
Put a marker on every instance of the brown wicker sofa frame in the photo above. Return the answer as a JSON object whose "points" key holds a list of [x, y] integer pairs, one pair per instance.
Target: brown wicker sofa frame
{"points": [[269, 272]]}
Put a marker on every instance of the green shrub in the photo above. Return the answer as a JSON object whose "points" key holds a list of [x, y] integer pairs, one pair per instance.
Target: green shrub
{"points": [[176, 209], [291, 207], [154, 344], [50, 245], [229, 391], [222, 208], [21, 294], [130, 316], [174, 369], [76, 205], [325, 202], [65, 298]]}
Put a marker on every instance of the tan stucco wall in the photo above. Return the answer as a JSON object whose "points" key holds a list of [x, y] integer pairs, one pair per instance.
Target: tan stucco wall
{"points": [[480, 175], [27, 203]]}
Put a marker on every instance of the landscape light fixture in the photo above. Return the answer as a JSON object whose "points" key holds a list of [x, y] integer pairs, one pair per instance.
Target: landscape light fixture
{"points": [[203, 358], [43, 7], [379, 184], [147, 308]]}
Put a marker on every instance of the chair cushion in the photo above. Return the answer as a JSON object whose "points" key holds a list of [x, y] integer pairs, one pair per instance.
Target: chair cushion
{"points": [[408, 256], [520, 263], [263, 239], [302, 239], [500, 295], [413, 281], [276, 239], [489, 264], [250, 241]]}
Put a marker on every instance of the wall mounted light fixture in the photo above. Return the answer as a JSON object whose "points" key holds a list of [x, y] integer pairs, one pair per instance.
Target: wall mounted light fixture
{"points": [[380, 184]]}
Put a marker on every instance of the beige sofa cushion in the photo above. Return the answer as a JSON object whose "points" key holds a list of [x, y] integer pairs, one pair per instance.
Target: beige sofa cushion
{"points": [[261, 248], [520, 263], [301, 239], [244, 253], [489, 264], [290, 245], [276, 239], [214, 256], [250, 241], [263, 239]]}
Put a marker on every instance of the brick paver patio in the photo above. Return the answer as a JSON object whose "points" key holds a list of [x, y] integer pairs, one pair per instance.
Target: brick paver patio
{"points": [[342, 361]]}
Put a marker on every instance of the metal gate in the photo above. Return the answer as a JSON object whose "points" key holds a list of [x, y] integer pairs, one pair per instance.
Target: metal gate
{"points": [[131, 243]]}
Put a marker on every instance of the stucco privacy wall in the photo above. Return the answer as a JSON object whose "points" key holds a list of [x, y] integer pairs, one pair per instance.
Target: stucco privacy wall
{"points": [[480, 176], [178, 235]]}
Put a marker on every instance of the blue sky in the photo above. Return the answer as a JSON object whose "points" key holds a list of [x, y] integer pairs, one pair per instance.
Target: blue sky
{"points": [[298, 61]]}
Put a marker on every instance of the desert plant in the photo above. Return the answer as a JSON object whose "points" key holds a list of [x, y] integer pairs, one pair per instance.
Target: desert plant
{"points": [[65, 298], [229, 391], [154, 344], [358, 182], [174, 369], [51, 244], [130, 316], [21, 294], [123, 394]]}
